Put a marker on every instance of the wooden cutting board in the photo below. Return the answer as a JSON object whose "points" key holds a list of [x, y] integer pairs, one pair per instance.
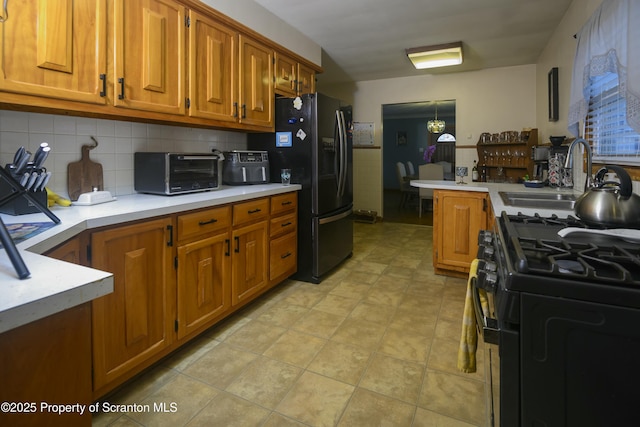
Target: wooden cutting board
{"points": [[85, 175]]}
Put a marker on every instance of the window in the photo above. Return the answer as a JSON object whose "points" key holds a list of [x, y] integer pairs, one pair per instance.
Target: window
{"points": [[614, 141]]}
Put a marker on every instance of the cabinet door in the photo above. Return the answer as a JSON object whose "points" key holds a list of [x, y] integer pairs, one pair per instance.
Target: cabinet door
{"points": [[203, 282], [213, 69], [285, 71], [55, 49], [256, 83], [135, 321], [458, 218], [306, 80], [149, 54], [249, 265]]}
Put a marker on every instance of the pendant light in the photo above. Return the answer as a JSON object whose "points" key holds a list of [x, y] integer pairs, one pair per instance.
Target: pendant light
{"points": [[436, 126]]}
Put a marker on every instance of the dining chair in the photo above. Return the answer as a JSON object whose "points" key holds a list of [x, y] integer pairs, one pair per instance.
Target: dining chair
{"points": [[429, 171], [406, 190], [411, 171], [448, 170]]}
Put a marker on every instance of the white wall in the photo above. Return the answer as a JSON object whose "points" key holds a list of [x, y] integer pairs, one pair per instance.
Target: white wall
{"points": [[492, 100]]}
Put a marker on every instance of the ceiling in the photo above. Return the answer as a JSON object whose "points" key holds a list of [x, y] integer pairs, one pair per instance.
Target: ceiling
{"points": [[366, 39]]}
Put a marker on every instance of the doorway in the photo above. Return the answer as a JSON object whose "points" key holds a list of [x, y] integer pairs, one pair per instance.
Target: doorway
{"points": [[406, 139]]}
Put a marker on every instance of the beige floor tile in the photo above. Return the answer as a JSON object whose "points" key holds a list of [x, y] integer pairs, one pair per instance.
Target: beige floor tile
{"points": [[400, 272], [374, 313], [319, 323], [341, 362], [265, 382], [361, 277], [336, 304], [371, 409], [369, 267], [220, 365], [405, 345], [452, 309], [288, 348], [306, 295], [449, 328], [453, 396], [255, 336], [391, 283], [316, 400], [283, 314], [415, 321], [444, 356], [222, 330], [394, 378], [188, 395], [191, 352], [146, 384], [279, 420], [381, 296], [354, 290], [425, 418], [359, 332], [229, 411]]}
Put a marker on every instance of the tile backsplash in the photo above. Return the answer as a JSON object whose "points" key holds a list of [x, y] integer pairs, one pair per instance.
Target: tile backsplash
{"points": [[117, 141]]}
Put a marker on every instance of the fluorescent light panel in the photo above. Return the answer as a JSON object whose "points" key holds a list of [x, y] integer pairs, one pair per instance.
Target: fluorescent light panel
{"points": [[442, 55]]}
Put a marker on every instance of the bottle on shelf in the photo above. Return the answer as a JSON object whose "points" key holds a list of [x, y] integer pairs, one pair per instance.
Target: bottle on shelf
{"points": [[474, 172]]}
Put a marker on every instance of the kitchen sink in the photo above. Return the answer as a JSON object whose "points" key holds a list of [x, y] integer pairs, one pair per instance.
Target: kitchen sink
{"points": [[538, 200]]}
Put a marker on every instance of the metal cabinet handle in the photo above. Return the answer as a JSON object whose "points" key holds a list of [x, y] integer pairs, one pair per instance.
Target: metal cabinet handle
{"points": [[287, 255], [288, 202], [286, 224], [170, 230], [121, 81], [235, 109], [237, 249], [103, 92], [254, 211], [211, 221], [228, 243], [244, 111]]}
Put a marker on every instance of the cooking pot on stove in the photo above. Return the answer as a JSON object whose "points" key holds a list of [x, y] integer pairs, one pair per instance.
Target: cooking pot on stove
{"points": [[610, 204]]}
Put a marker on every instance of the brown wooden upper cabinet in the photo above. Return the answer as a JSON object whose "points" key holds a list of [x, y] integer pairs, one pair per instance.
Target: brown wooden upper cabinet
{"points": [[55, 49], [213, 69], [293, 78], [149, 56], [176, 61], [256, 83]]}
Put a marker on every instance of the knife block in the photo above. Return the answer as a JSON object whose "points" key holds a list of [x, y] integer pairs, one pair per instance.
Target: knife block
{"points": [[20, 205]]}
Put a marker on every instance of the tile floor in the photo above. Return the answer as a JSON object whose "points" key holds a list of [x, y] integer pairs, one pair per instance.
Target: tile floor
{"points": [[375, 344]]}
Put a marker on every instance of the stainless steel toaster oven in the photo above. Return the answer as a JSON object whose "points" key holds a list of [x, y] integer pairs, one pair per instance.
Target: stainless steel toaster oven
{"points": [[176, 173]]}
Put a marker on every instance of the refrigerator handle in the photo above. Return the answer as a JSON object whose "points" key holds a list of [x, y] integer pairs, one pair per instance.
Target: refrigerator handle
{"points": [[338, 152], [343, 154]]}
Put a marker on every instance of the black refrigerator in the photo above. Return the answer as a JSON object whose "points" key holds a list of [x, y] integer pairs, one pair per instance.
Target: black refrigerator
{"points": [[313, 138]]}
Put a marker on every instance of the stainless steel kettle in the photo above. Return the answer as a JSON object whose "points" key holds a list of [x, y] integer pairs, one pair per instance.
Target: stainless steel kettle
{"points": [[610, 204]]}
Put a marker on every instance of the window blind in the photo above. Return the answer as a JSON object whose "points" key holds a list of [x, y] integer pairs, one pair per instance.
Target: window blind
{"points": [[612, 138]]}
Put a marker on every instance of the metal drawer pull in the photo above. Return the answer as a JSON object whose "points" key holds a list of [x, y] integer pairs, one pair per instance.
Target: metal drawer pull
{"points": [[285, 224], [288, 254], [254, 211], [211, 221], [237, 249], [286, 203]]}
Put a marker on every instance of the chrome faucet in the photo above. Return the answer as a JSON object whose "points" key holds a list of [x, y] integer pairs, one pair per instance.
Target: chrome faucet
{"points": [[568, 164]]}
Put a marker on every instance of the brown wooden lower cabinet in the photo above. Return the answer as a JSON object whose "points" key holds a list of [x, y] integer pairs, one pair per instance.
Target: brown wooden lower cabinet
{"points": [[47, 362], [175, 276], [458, 218], [136, 321]]}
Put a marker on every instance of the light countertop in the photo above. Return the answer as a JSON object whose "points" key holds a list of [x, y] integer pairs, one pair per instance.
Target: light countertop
{"points": [[496, 201], [57, 285]]}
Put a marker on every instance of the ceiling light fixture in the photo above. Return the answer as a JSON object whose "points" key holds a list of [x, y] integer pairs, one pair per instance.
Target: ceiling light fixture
{"points": [[436, 126], [442, 55]]}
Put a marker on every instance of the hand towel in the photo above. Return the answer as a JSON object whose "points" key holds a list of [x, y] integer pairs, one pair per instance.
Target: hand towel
{"points": [[469, 336]]}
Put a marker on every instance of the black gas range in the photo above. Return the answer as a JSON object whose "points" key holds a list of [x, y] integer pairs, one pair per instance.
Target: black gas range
{"points": [[565, 313]]}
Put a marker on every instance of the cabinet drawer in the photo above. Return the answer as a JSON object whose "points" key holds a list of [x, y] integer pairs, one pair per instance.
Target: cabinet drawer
{"points": [[198, 223], [284, 202], [250, 211], [283, 255], [283, 224]]}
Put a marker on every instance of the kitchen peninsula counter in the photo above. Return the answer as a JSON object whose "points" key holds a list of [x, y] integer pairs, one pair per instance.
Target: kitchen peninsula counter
{"points": [[494, 189], [56, 285]]}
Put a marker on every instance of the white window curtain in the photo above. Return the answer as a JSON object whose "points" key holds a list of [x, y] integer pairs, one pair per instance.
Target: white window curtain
{"points": [[608, 43]]}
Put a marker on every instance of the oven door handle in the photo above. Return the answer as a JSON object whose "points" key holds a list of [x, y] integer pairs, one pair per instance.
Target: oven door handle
{"points": [[488, 326]]}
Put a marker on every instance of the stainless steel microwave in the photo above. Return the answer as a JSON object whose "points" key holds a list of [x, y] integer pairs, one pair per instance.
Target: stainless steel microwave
{"points": [[176, 173]]}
